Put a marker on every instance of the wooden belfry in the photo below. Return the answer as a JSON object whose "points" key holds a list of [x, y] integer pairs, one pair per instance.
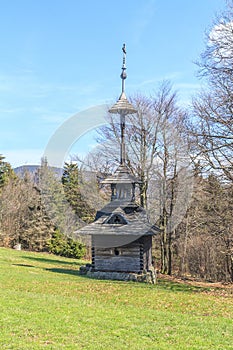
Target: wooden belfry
{"points": [[121, 233]]}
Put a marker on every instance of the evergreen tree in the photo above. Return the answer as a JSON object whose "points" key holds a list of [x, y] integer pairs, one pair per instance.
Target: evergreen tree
{"points": [[54, 201], [6, 171], [71, 181]]}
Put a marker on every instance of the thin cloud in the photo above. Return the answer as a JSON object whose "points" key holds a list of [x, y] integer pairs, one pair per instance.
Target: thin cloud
{"points": [[29, 85], [187, 86], [10, 110], [142, 20], [153, 81]]}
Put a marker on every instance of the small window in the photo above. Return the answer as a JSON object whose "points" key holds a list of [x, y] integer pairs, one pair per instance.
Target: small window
{"points": [[116, 219], [116, 251]]}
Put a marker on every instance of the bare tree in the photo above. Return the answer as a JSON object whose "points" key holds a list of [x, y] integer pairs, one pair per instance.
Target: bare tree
{"points": [[22, 217], [213, 108], [217, 59], [142, 133], [205, 236], [213, 131], [170, 190]]}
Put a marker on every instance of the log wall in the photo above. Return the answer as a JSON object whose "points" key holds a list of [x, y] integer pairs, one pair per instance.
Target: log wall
{"points": [[123, 259], [147, 252], [133, 257]]}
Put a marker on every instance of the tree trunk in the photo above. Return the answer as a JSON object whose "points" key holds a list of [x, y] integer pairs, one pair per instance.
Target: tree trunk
{"points": [[164, 244]]}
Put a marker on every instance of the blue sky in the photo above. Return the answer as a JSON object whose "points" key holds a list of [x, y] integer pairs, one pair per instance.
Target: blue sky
{"points": [[60, 57]]}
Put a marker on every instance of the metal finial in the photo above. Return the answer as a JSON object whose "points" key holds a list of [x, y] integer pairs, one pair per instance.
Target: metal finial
{"points": [[122, 106], [123, 73]]}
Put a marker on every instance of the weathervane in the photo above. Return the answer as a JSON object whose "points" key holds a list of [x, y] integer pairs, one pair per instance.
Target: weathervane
{"points": [[123, 73]]}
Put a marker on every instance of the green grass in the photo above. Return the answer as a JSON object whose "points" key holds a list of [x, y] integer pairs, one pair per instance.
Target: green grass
{"points": [[45, 304]]}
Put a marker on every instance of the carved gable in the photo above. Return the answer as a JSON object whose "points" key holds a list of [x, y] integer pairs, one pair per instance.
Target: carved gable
{"points": [[116, 219]]}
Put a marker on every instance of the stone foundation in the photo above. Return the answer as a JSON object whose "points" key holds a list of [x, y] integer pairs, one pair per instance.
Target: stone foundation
{"points": [[146, 276]]}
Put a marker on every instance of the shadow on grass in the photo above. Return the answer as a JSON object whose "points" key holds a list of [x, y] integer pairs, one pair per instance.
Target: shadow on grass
{"points": [[91, 278], [64, 271], [179, 287], [23, 265], [55, 270], [161, 283], [53, 261]]}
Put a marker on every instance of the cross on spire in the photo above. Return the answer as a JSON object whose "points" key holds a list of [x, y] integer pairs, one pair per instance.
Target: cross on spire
{"points": [[123, 73]]}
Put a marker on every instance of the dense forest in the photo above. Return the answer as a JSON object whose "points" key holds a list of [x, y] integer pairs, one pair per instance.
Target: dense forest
{"points": [[183, 157]]}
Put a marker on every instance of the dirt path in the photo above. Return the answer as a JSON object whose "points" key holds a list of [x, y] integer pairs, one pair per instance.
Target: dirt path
{"points": [[208, 287]]}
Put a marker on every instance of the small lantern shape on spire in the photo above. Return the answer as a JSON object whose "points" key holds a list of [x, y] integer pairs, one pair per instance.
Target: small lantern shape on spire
{"points": [[122, 182]]}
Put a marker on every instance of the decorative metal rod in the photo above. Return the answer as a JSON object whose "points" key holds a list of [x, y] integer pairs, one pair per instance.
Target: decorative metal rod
{"points": [[123, 73], [123, 77], [123, 155]]}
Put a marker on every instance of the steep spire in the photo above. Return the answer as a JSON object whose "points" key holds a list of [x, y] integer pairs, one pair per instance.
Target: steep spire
{"points": [[122, 106], [122, 181]]}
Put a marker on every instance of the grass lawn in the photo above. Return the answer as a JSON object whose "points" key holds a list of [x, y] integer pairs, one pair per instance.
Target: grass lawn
{"points": [[45, 304]]}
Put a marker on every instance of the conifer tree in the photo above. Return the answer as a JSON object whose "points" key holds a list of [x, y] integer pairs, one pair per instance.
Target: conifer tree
{"points": [[71, 181], [54, 201], [6, 171]]}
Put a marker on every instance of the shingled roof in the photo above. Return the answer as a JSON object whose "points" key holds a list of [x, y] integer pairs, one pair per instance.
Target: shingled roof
{"points": [[122, 106], [120, 218], [121, 175]]}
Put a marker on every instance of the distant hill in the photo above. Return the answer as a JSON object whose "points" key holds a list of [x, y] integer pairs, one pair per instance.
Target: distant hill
{"points": [[31, 169]]}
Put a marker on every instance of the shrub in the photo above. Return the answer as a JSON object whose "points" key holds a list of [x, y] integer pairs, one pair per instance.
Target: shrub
{"points": [[61, 245]]}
